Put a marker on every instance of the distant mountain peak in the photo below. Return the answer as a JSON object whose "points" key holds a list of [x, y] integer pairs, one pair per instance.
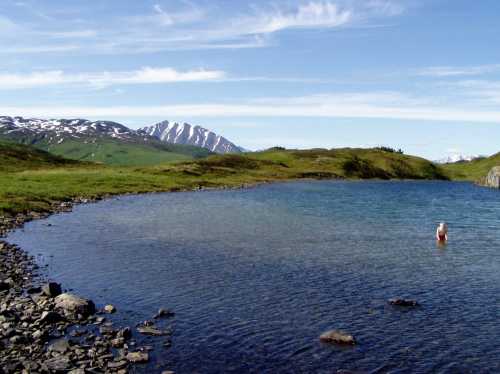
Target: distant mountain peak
{"points": [[185, 133], [456, 158]]}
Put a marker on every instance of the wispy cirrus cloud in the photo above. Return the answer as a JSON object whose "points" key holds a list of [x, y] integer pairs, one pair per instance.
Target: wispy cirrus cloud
{"points": [[457, 71], [189, 25], [380, 105], [146, 75]]}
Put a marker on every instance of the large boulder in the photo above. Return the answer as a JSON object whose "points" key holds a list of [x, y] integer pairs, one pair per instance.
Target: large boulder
{"points": [[74, 305], [336, 336], [493, 178]]}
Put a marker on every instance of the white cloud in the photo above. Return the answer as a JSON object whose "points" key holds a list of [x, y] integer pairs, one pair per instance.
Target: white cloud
{"points": [[323, 14], [146, 75], [167, 18], [454, 71], [328, 106]]}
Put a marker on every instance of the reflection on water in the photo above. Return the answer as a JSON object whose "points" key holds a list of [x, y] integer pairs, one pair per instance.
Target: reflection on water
{"points": [[255, 276]]}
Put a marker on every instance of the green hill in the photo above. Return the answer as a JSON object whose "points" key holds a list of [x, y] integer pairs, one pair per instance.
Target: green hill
{"points": [[118, 153], [471, 170]]}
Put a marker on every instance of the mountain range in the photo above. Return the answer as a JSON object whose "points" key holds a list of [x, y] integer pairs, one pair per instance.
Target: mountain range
{"points": [[113, 143], [176, 133]]}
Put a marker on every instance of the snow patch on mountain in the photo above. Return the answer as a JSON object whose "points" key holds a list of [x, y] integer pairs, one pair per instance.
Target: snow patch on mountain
{"points": [[456, 158], [176, 133], [57, 130]]}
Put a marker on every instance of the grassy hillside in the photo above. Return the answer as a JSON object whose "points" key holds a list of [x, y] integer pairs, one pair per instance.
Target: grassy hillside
{"points": [[118, 153], [472, 170], [15, 157], [33, 180]]}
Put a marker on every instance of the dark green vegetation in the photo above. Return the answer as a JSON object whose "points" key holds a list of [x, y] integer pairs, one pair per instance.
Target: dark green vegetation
{"points": [[473, 170], [31, 179]]}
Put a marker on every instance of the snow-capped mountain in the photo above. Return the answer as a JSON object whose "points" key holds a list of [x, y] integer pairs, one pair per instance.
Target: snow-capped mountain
{"points": [[456, 158], [58, 130], [176, 133]]}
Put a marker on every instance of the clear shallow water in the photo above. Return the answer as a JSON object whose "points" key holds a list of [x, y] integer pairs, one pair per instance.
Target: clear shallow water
{"points": [[255, 276]]}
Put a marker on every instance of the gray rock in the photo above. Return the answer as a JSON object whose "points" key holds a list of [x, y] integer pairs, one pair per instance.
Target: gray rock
{"points": [[493, 178], [56, 364], [336, 336], [74, 305], [137, 357], [60, 346], [50, 317], [51, 289]]}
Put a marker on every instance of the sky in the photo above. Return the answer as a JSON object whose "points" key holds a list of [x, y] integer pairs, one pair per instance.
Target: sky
{"points": [[420, 75]]}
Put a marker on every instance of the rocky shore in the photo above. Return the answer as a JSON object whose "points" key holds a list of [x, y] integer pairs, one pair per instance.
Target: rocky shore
{"points": [[45, 330]]}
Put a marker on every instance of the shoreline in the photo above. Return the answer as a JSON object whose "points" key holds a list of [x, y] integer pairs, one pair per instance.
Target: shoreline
{"points": [[44, 329]]}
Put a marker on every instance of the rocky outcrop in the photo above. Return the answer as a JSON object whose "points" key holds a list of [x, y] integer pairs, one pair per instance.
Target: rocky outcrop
{"points": [[493, 178]]}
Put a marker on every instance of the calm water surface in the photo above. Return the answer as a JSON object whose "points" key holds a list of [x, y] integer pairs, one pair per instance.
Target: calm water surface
{"points": [[255, 276]]}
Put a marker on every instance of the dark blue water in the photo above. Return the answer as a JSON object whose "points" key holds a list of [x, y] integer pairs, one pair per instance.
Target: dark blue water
{"points": [[255, 276]]}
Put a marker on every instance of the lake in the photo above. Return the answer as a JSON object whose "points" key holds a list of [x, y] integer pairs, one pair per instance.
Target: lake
{"points": [[255, 276]]}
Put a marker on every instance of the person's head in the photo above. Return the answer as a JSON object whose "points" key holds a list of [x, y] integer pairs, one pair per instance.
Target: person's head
{"points": [[443, 226]]}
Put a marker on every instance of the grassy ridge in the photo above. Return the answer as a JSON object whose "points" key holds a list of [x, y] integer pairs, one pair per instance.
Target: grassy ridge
{"points": [[37, 181], [472, 170]]}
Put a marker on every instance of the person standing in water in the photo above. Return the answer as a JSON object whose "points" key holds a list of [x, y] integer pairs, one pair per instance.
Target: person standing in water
{"points": [[442, 232]]}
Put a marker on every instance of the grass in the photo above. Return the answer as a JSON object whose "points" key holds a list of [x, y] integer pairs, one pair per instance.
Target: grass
{"points": [[473, 170], [119, 153], [31, 179]]}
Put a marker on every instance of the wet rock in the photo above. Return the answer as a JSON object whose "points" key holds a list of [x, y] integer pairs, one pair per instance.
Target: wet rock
{"points": [[50, 317], [152, 331], [109, 309], [137, 357], [403, 302], [33, 290], [125, 333], [51, 289], [74, 305], [4, 286], [163, 313], [336, 336]]}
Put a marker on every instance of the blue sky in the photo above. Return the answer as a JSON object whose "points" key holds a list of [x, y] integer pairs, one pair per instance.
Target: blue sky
{"points": [[423, 75]]}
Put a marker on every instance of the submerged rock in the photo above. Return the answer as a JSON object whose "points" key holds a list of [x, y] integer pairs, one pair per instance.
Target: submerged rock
{"points": [[152, 331], [163, 313], [336, 336], [72, 304], [403, 302]]}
